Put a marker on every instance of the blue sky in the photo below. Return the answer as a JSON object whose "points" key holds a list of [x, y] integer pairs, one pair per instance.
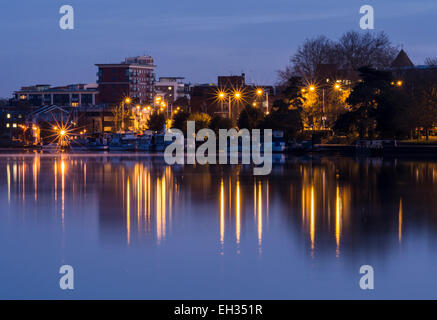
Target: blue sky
{"points": [[197, 39]]}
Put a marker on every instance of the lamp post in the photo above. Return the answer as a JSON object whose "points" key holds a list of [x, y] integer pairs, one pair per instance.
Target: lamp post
{"points": [[260, 93], [127, 100], [235, 95]]}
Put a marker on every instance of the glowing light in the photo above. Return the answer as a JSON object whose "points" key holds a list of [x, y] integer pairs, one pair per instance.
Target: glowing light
{"points": [[312, 88], [238, 214], [222, 213], [260, 214], [312, 221], [338, 221], [63, 192], [128, 211], [158, 211], [127, 100], [400, 221], [237, 95], [259, 92]]}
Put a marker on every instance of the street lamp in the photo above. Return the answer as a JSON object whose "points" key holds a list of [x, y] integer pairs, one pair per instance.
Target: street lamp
{"points": [[260, 92], [221, 96], [235, 95]]}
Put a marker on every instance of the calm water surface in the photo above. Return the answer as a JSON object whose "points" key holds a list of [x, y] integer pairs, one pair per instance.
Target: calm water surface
{"points": [[133, 227]]}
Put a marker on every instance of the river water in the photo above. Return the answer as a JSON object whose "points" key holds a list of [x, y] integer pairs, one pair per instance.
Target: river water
{"points": [[134, 228]]}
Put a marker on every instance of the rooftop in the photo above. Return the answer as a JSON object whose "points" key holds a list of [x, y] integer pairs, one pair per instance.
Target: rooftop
{"points": [[402, 60]]}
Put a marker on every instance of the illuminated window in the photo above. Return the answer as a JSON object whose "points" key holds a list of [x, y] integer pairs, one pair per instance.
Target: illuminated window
{"points": [[7, 125], [8, 116], [14, 125], [74, 104]]}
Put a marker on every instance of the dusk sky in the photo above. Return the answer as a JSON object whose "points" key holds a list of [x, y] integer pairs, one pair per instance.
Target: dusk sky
{"points": [[195, 39]]}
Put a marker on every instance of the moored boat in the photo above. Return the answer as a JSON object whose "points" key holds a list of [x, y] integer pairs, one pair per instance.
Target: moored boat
{"points": [[123, 142]]}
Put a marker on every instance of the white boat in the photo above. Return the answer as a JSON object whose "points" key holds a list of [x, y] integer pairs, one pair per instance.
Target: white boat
{"points": [[123, 142], [144, 143], [159, 144], [279, 144], [52, 148], [97, 144]]}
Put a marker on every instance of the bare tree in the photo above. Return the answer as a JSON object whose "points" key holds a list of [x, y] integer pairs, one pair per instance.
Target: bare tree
{"points": [[365, 49], [352, 51], [431, 61], [313, 52]]}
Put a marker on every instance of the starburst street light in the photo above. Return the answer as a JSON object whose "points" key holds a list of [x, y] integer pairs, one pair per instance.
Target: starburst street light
{"points": [[127, 100], [229, 95], [221, 95], [261, 93]]}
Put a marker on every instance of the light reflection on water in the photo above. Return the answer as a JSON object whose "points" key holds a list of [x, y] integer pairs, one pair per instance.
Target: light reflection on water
{"points": [[301, 232]]}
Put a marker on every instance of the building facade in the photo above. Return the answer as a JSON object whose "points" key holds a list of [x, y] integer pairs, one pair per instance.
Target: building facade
{"points": [[73, 95], [133, 78], [171, 88]]}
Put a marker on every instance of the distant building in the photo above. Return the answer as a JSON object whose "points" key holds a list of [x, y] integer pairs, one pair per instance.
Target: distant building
{"points": [[203, 98], [74, 95], [11, 120], [171, 88], [403, 69], [133, 78], [230, 92], [402, 61], [234, 82], [329, 74]]}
